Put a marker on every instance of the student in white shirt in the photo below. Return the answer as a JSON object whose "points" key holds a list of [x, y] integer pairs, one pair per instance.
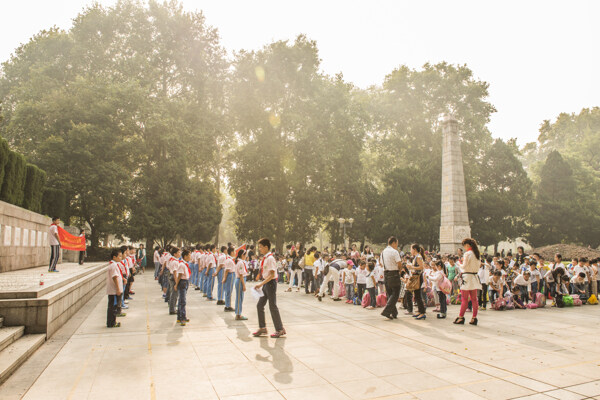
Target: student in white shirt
{"points": [[182, 274], [241, 271], [484, 277], [269, 287], [228, 277], [156, 263], [172, 266], [349, 279], [371, 285], [114, 288], [219, 275], [361, 278], [524, 282]]}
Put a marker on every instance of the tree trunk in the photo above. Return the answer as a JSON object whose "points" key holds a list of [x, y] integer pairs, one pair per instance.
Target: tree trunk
{"points": [[218, 178]]}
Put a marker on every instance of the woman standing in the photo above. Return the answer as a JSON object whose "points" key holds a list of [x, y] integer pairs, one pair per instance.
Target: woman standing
{"points": [[228, 277], [141, 257], [470, 280], [417, 267]]}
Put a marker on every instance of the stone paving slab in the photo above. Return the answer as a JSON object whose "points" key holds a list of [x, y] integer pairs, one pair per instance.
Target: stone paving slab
{"points": [[29, 279], [333, 351]]}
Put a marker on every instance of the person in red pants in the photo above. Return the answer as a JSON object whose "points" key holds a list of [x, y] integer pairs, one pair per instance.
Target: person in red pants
{"points": [[470, 280]]}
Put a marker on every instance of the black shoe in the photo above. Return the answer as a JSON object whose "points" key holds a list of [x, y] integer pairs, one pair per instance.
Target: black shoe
{"points": [[220, 303], [459, 321], [197, 288], [172, 313], [388, 316], [228, 309], [474, 322], [441, 316], [320, 298]]}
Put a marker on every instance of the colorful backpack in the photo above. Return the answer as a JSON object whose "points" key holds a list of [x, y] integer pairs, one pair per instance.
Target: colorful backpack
{"points": [[430, 299], [356, 300], [532, 306], [445, 286], [381, 300], [366, 302], [577, 302], [568, 301], [499, 304], [540, 300], [455, 299], [592, 300]]}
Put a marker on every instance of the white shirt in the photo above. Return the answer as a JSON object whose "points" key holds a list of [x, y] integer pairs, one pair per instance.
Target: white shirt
{"points": [[578, 269], [172, 264], [370, 276], [221, 259], [349, 276], [113, 270], [519, 280], [52, 239], [182, 269], [390, 258], [229, 265], [319, 266], [435, 278], [484, 273], [241, 269], [268, 264], [156, 256], [361, 275]]}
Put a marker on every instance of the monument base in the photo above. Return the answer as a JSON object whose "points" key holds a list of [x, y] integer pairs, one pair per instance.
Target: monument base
{"points": [[451, 238]]}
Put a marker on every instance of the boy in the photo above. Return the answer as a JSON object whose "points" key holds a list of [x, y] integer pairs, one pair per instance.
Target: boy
{"points": [[114, 288], [561, 290], [182, 274], [523, 283], [578, 286]]}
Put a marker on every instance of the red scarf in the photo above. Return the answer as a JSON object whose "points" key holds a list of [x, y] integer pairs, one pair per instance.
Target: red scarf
{"points": [[262, 262]]}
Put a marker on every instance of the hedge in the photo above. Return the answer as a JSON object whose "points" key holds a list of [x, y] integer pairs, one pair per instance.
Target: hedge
{"points": [[4, 152], [34, 188], [54, 202], [13, 186]]}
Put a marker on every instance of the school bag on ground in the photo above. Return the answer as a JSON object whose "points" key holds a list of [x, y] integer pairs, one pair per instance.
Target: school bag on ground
{"points": [[356, 301], [510, 305], [568, 301], [532, 306], [366, 301], [342, 290], [540, 300], [381, 300], [499, 304], [577, 302], [592, 300]]}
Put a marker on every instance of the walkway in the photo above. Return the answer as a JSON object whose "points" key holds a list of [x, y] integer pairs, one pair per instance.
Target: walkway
{"points": [[333, 351]]}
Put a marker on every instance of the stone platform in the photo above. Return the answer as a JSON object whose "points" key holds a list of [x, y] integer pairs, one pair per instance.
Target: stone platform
{"points": [[44, 308], [332, 351]]}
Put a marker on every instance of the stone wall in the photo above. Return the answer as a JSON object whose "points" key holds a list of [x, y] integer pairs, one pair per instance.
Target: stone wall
{"points": [[23, 238]]}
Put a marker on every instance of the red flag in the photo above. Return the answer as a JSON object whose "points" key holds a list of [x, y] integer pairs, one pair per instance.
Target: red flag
{"points": [[243, 247], [70, 242]]}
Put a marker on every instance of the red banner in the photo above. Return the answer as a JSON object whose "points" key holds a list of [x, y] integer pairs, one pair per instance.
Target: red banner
{"points": [[71, 242]]}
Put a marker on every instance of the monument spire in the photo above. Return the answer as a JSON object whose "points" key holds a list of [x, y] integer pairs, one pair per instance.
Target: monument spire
{"points": [[454, 225]]}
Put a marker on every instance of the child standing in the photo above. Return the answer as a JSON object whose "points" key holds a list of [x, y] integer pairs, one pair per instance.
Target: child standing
{"points": [[371, 285], [349, 279], [361, 278], [228, 276], [182, 277], [437, 276], [114, 288], [241, 272]]}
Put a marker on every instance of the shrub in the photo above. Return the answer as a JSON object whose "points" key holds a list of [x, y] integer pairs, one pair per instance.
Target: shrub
{"points": [[34, 188], [4, 151], [13, 187], [54, 203]]}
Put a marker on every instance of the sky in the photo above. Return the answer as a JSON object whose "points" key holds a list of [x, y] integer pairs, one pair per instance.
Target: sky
{"points": [[537, 56]]}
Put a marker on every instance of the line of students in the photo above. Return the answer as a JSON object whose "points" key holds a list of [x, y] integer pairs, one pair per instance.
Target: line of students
{"points": [[120, 278]]}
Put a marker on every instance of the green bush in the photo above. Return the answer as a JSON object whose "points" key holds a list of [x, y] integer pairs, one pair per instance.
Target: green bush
{"points": [[34, 188], [4, 151], [13, 187], [54, 203]]}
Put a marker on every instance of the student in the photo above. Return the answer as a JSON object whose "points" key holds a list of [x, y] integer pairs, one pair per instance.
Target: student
{"points": [[361, 278], [81, 253], [594, 277], [182, 275], [241, 272], [452, 274], [319, 267], [518, 298], [156, 259], [218, 274], [578, 286], [349, 279], [173, 266], [211, 265], [114, 288], [523, 281], [371, 285], [269, 286], [296, 274], [228, 276], [561, 290], [484, 277], [535, 277], [123, 265], [54, 242]]}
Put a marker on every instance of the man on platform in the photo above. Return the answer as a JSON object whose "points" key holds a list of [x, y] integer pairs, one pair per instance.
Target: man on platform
{"points": [[54, 242]]}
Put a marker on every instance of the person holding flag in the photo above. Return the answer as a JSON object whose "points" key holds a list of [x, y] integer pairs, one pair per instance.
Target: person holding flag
{"points": [[268, 270], [54, 241]]}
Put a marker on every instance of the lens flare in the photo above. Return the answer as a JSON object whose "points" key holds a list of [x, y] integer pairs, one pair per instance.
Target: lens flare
{"points": [[260, 73], [274, 120]]}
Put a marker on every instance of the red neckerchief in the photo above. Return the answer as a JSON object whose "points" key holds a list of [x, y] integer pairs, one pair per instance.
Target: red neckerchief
{"points": [[188, 267], [262, 262], [118, 268]]}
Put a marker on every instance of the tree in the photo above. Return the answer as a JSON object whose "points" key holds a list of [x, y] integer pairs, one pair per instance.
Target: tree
{"points": [[554, 211]]}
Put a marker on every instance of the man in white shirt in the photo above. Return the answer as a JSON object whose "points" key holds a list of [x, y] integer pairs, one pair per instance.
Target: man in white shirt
{"points": [[332, 273], [391, 262], [54, 242]]}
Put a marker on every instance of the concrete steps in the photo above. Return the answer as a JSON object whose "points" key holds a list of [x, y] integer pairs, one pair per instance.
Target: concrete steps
{"points": [[15, 348]]}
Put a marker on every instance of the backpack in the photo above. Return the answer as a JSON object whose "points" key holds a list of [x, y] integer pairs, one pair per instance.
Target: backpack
{"points": [[366, 301], [540, 300], [356, 301], [455, 299], [499, 304], [577, 302], [430, 299], [445, 286], [342, 290], [568, 301], [532, 306], [592, 300], [381, 300]]}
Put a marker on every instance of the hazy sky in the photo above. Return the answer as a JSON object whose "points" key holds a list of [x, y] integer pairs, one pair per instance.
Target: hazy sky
{"points": [[539, 57]]}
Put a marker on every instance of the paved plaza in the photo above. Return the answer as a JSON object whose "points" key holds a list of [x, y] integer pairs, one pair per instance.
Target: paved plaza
{"points": [[332, 351]]}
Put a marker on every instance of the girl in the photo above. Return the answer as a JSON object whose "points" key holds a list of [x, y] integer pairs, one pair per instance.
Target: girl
{"points": [[372, 285], [470, 280], [436, 277], [296, 273], [228, 276], [361, 278], [240, 283], [349, 279]]}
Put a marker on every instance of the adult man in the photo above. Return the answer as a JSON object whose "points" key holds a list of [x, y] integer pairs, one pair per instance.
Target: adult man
{"points": [[391, 261], [268, 268], [54, 242], [332, 273]]}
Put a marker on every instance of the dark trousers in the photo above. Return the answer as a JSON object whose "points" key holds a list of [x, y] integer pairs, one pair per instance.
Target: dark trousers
{"points": [[392, 288], [112, 310], [494, 294], [443, 305], [361, 289], [559, 301], [373, 296], [54, 255], [173, 294], [482, 294], [408, 300], [81, 257], [309, 280], [128, 285], [182, 288], [524, 294], [270, 291], [418, 296]]}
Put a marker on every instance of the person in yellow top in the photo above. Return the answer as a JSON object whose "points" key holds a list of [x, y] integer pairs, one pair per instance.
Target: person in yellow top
{"points": [[309, 276]]}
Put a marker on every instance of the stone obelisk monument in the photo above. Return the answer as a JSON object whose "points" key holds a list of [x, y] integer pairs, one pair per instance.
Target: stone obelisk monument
{"points": [[455, 218]]}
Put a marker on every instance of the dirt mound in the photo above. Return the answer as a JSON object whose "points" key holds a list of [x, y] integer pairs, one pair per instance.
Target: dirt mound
{"points": [[568, 251]]}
